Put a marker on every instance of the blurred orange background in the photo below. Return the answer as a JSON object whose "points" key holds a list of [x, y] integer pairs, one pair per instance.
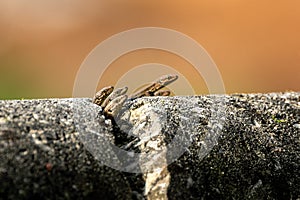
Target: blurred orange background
{"points": [[255, 44]]}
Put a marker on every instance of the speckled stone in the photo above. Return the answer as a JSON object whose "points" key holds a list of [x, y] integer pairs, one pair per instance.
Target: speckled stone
{"points": [[43, 158], [249, 150]]}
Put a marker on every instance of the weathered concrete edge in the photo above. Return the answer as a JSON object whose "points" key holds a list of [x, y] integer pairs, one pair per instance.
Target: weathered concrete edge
{"points": [[42, 153]]}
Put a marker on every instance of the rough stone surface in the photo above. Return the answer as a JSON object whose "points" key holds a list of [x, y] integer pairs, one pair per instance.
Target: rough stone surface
{"points": [[243, 146]]}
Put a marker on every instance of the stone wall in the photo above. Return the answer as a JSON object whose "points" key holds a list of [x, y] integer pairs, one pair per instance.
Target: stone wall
{"points": [[243, 146]]}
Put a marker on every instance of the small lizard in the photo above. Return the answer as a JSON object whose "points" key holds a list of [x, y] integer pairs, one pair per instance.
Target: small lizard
{"points": [[102, 94], [114, 106], [112, 101], [113, 95], [154, 87]]}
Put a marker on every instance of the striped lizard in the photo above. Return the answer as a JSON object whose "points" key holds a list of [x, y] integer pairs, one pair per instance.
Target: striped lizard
{"points": [[112, 101]]}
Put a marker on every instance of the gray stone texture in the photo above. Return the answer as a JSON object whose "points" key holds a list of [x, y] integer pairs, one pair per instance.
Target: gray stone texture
{"points": [[240, 146]]}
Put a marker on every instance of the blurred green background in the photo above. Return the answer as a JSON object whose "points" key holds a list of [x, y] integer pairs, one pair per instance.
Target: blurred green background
{"points": [[255, 44]]}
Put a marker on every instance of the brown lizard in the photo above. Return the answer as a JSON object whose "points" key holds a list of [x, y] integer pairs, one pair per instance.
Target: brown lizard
{"points": [[112, 101]]}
